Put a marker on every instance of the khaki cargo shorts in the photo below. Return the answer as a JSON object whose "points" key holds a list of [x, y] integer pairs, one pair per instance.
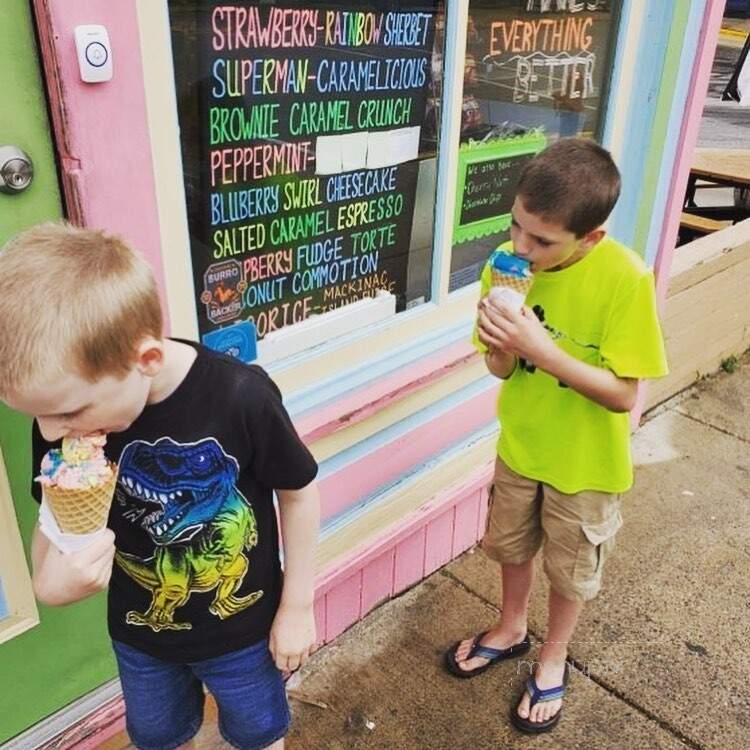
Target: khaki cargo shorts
{"points": [[576, 531]]}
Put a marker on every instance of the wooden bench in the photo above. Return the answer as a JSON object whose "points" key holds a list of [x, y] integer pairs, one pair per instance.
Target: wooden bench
{"points": [[701, 224], [721, 168]]}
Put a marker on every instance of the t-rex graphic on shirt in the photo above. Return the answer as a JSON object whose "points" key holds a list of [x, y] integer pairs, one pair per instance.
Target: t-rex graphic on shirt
{"points": [[201, 528]]}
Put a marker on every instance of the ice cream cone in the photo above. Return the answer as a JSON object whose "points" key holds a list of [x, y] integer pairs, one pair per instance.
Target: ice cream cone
{"points": [[84, 510], [511, 279], [519, 284]]}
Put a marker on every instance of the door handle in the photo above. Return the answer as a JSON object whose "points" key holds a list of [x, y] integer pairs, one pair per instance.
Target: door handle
{"points": [[16, 170]]}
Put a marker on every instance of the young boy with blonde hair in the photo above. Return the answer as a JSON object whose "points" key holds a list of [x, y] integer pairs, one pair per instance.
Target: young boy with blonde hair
{"points": [[571, 359], [196, 593]]}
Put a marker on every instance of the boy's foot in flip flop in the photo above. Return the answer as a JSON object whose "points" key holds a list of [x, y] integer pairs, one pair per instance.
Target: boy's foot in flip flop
{"points": [[475, 655], [539, 707]]}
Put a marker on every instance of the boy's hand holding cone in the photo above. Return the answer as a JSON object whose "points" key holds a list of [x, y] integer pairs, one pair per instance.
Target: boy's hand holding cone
{"points": [[78, 485]]}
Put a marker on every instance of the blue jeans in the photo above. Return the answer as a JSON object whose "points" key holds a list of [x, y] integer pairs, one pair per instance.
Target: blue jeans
{"points": [[164, 701]]}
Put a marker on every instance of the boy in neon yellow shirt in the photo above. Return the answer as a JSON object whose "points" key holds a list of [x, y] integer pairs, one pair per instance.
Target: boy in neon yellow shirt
{"points": [[571, 359]]}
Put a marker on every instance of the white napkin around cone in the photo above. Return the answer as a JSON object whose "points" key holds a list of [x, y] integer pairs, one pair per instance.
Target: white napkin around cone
{"points": [[66, 543]]}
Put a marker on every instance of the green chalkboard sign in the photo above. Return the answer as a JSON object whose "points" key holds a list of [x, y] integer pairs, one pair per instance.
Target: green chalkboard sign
{"points": [[487, 177]]}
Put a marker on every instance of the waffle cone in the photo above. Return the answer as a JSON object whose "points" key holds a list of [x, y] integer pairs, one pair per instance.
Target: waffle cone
{"points": [[82, 511], [512, 282]]}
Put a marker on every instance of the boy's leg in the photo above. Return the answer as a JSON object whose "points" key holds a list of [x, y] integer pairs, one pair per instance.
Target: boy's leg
{"points": [[513, 537], [517, 583], [563, 618], [579, 533], [250, 697], [163, 701]]}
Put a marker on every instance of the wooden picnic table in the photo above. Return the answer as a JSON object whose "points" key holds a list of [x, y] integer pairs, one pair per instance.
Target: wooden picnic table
{"points": [[723, 167]]}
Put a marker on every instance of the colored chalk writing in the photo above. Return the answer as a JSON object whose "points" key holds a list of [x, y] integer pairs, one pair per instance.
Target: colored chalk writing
{"points": [[275, 236], [544, 53]]}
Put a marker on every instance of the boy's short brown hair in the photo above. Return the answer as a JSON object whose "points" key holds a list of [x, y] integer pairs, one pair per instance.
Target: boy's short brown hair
{"points": [[72, 299], [573, 182]]}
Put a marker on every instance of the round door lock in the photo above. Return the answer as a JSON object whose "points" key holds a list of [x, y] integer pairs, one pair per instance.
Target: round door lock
{"points": [[16, 170]]}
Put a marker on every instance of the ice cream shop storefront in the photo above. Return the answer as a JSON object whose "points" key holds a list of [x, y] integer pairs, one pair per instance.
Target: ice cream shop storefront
{"points": [[317, 185]]}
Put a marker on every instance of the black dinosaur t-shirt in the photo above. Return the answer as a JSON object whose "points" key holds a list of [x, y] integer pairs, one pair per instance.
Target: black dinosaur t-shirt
{"points": [[197, 571]]}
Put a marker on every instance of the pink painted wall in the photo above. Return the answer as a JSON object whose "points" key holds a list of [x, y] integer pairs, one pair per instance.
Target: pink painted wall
{"points": [[354, 406], [101, 131], [361, 478], [441, 529]]}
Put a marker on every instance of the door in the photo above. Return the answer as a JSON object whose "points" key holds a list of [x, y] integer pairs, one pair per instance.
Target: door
{"points": [[43, 666]]}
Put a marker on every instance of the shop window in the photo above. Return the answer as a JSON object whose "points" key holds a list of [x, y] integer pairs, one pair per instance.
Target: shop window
{"points": [[17, 606], [309, 137], [536, 70]]}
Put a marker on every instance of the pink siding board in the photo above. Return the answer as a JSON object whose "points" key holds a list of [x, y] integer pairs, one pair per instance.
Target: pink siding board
{"points": [[353, 407], [320, 618], [343, 605], [377, 580], [93, 731], [439, 541], [390, 538], [409, 563], [343, 488], [465, 526]]}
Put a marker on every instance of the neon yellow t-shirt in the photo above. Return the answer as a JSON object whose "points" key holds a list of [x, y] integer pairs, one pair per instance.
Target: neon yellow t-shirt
{"points": [[601, 310]]}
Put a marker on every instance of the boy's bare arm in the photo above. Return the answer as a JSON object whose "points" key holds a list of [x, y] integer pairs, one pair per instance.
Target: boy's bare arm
{"points": [[596, 383], [523, 335], [63, 578], [292, 637]]}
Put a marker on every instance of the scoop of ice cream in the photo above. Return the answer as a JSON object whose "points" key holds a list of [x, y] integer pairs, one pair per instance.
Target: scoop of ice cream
{"points": [[79, 463], [511, 265]]}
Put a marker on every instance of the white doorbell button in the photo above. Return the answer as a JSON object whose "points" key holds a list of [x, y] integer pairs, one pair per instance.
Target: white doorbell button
{"points": [[94, 53]]}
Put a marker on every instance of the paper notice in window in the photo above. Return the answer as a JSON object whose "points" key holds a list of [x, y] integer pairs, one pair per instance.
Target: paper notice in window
{"points": [[354, 150], [328, 154], [386, 148]]}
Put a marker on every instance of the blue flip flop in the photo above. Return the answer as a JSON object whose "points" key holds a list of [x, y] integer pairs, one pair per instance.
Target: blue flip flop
{"points": [[494, 655], [538, 695]]}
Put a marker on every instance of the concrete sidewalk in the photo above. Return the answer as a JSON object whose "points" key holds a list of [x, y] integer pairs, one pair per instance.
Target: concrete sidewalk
{"points": [[662, 655]]}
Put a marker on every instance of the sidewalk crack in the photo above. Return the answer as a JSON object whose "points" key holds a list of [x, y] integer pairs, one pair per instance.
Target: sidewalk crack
{"points": [[712, 426]]}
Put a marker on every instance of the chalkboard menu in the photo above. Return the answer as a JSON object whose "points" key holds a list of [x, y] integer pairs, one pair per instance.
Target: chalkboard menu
{"points": [[300, 130], [488, 174]]}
